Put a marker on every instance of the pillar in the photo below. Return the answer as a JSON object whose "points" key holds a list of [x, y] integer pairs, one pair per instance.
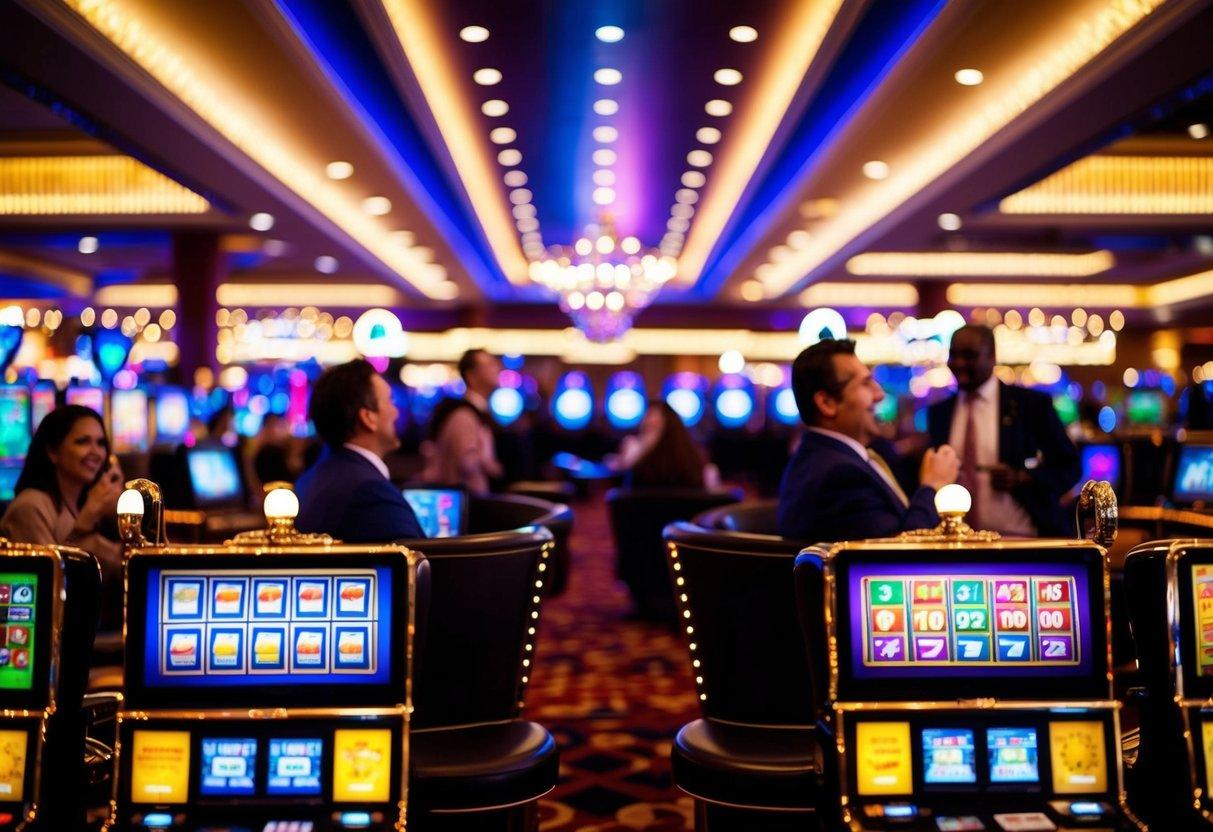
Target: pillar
{"points": [[198, 269]]}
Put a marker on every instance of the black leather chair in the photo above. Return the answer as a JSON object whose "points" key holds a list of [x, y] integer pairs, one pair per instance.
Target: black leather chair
{"points": [[755, 760], [475, 763], [638, 517], [502, 512], [755, 517]]}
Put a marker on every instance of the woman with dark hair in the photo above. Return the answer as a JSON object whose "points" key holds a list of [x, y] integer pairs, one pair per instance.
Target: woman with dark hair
{"points": [[67, 489], [664, 455]]}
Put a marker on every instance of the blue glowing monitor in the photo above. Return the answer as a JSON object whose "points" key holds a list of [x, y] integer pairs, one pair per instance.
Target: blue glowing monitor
{"points": [[1193, 475], [215, 477], [626, 401], [686, 393], [129, 421], [734, 406], [1013, 755], [506, 404], [229, 766], [295, 766], [573, 404], [172, 415], [15, 430], [783, 406], [440, 511], [1101, 462], [10, 472], [949, 756]]}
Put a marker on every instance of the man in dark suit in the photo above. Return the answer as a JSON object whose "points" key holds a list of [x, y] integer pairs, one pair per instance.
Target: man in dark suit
{"points": [[834, 488], [1015, 457], [347, 493]]}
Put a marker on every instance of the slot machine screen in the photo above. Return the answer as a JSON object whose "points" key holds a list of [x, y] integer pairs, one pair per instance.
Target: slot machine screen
{"points": [[91, 397], [1066, 407], [26, 589], [1195, 572], [1101, 462], [1193, 475], [43, 399], [229, 766], [303, 632], [10, 472], [15, 430], [128, 421], [440, 511], [949, 757], [215, 477], [172, 415], [1146, 408], [992, 625]]}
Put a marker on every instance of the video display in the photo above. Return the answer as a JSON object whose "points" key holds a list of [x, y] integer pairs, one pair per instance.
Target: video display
{"points": [[128, 421], [160, 766], [1101, 462], [10, 472], [15, 429], [295, 767], [1146, 408], [42, 401], [86, 396], [1078, 757], [18, 628], [949, 756], [229, 766], [172, 415], [882, 753], [1013, 755], [14, 756], [1206, 742], [1202, 591], [214, 475], [439, 510], [268, 627], [1193, 475]]}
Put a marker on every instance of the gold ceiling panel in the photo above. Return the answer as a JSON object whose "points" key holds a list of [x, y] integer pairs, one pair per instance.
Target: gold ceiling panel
{"points": [[1135, 185], [987, 263], [90, 185]]}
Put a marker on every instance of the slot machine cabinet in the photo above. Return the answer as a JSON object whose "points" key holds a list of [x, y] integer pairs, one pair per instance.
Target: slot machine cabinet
{"points": [[49, 598], [1170, 597], [971, 682], [267, 681]]}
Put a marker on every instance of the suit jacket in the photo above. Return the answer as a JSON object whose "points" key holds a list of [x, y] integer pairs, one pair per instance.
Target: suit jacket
{"points": [[829, 494], [344, 495], [1028, 428]]}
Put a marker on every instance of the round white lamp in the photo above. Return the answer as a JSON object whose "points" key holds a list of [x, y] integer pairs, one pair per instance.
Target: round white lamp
{"points": [[953, 500], [130, 502], [130, 517], [281, 507]]}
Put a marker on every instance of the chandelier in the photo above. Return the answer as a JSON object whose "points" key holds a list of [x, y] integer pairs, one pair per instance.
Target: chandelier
{"points": [[603, 282]]}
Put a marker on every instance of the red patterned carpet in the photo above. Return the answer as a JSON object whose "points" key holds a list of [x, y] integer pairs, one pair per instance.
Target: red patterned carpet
{"points": [[613, 692]]}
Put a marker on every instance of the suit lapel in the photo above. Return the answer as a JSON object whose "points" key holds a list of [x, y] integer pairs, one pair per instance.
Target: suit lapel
{"points": [[849, 454]]}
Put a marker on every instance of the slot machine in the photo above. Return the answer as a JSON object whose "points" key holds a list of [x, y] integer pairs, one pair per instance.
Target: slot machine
{"points": [[44, 397], [49, 598], [626, 402], [16, 431], [267, 680], [970, 680], [687, 393], [1170, 596]]}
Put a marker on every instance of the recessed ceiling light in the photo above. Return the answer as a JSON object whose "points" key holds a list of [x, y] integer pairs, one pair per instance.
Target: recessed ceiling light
{"points": [[630, 245], [1198, 131], [718, 107], [609, 34], [606, 106], [87, 245], [678, 224], [474, 34], [608, 76], [743, 34], [1203, 243], [520, 195], [681, 209], [799, 239], [727, 77], [261, 221], [326, 264], [521, 212], [338, 170], [604, 196], [949, 222], [494, 108], [969, 77], [694, 179], [707, 135], [446, 290], [686, 195], [403, 238], [509, 157], [377, 206], [487, 76], [699, 158], [876, 169], [502, 135], [527, 225], [752, 291], [605, 134], [274, 248], [515, 178], [604, 156], [604, 177]]}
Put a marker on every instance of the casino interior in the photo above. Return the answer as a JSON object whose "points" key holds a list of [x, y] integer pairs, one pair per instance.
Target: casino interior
{"points": [[594, 235]]}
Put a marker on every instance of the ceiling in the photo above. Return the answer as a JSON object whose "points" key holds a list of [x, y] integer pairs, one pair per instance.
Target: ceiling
{"points": [[777, 149]]}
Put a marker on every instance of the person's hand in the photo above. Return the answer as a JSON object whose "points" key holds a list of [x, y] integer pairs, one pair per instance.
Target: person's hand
{"points": [[102, 498], [939, 467], [1005, 478]]}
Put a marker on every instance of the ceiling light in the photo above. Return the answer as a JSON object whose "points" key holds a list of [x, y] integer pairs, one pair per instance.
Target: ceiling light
{"points": [[527, 224], [969, 77], [338, 170], [606, 107], [87, 245], [403, 238], [522, 212], [686, 196], [605, 134], [694, 179], [743, 34], [494, 108], [515, 178], [604, 196], [502, 135], [799, 239], [981, 263], [718, 107], [678, 224], [707, 135], [727, 77], [949, 222], [604, 177], [487, 76], [608, 76], [272, 248], [377, 206], [609, 34], [682, 209], [1198, 131], [520, 195], [699, 158], [604, 156], [752, 291], [474, 34], [876, 169], [326, 264], [630, 245], [509, 157]]}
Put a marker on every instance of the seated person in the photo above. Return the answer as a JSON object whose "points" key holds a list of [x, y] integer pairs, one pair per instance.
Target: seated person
{"points": [[663, 454], [347, 493], [67, 491], [834, 488]]}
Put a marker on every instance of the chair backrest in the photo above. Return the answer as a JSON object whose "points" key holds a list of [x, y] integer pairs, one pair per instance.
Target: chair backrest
{"points": [[736, 604], [753, 517], [503, 512], [480, 631]]}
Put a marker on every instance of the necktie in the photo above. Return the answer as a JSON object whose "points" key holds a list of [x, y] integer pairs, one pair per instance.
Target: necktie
{"points": [[968, 460], [878, 461]]}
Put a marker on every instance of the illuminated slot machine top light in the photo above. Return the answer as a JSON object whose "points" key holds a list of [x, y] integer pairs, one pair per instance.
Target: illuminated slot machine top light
{"points": [[625, 400], [573, 404], [506, 405], [783, 406], [685, 392], [734, 402]]}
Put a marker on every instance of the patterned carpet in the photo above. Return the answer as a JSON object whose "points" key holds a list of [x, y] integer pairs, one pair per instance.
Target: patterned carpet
{"points": [[613, 692]]}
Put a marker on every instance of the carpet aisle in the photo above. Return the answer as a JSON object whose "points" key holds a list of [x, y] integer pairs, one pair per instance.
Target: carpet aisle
{"points": [[613, 692]]}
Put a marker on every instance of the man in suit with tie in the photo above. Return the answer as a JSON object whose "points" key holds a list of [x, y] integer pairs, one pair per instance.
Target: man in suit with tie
{"points": [[1015, 457], [834, 487], [347, 493]]}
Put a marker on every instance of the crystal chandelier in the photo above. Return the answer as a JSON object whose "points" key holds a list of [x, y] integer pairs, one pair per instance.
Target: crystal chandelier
{"points": [[602, 282]]}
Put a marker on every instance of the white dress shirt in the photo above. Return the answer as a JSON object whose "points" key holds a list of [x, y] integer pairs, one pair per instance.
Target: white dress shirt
{"points": [[371, 457], [859, 449], [999, 510]]}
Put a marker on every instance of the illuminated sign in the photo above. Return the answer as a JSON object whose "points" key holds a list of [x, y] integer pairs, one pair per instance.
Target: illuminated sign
{"points": [[882, 752], [160, 767]]}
